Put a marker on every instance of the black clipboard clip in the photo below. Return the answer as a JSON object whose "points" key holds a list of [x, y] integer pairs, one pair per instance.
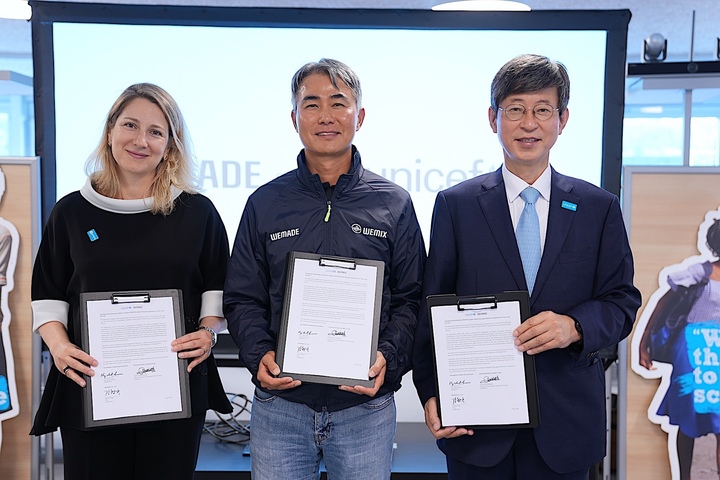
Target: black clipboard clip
{"points": [[477, 303], [337, 263], [133, 297]]}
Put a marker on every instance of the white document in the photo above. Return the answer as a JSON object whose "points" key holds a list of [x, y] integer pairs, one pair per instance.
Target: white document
{"points": [[137, 373], [330, 320], [481, 374]]}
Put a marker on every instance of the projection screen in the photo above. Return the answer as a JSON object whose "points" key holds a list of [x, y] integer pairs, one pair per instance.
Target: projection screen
{"points": [[425, 77]]}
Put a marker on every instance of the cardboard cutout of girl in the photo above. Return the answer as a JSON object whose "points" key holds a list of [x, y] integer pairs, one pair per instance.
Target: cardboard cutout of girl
{"points": [[9, 242], [678, 341]]}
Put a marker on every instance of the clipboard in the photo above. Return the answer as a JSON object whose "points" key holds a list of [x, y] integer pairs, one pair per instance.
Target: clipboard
{"points": [[482, 380], [129, 386], [330, 320]]}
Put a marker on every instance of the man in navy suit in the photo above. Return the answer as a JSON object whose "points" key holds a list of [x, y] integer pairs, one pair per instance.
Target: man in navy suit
{"points": [[583, 298]]}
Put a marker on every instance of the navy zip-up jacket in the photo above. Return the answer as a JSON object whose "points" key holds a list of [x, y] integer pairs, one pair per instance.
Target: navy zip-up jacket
{"points": [[367, 217]]}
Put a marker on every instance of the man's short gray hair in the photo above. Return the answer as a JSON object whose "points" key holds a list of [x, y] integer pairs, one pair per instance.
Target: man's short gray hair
{"points": [[334, 69]]}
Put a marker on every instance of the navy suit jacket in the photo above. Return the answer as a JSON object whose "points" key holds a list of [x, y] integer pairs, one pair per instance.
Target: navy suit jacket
{"points": [[586, 272]]}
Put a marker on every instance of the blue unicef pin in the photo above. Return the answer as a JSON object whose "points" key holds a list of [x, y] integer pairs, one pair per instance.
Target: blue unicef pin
{"points": [[93, 235], [569, 205]]}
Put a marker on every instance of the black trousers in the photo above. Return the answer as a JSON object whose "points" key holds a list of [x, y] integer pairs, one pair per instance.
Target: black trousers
{"points": [[163, 450], [523, 462]]}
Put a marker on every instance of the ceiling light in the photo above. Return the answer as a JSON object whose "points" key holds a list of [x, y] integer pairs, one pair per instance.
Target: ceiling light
{"points": [[652, 110], [484, 6], [15, 9]]}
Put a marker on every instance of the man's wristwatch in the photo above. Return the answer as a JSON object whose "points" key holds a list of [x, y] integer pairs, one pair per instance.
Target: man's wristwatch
{"points": [[578, 327], [212, 332]]}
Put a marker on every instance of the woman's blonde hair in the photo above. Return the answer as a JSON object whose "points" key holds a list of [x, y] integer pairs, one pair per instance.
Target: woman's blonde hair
{"points": [[176, 167]]}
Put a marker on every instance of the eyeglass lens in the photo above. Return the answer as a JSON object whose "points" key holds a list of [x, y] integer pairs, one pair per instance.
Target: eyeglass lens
{"points": [[517, 111]]}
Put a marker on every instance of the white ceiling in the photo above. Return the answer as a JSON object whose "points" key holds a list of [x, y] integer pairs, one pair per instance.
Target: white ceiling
{"points": [[672, 18]]}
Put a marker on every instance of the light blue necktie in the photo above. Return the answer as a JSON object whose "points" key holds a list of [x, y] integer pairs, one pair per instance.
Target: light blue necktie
{"points": [[528, 236]]}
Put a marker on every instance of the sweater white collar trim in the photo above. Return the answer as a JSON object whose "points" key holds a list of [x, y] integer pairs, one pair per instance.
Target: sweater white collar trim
{"points": [[115, 205]]}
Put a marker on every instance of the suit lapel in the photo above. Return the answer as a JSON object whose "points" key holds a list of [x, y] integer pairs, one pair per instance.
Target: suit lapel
{"points": [[494, 205], [560, 218]]}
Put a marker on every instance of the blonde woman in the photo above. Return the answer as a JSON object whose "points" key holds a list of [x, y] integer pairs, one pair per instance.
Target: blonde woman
{"points": [[136, 224]]}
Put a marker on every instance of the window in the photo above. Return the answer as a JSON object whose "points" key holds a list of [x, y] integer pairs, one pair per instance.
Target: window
{"points": [[17, 117], [653, 129], [17, 122]]}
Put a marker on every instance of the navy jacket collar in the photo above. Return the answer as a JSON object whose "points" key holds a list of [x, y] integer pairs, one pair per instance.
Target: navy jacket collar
{"points": [[346, 181]]}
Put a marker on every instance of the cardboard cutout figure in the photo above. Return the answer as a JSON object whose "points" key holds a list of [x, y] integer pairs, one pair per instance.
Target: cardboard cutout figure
{"points": [[678, 340], [9, 242]]}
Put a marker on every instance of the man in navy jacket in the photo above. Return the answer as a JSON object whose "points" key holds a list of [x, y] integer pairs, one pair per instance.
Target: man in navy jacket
{"points": [[583, 298], [329, 205]]}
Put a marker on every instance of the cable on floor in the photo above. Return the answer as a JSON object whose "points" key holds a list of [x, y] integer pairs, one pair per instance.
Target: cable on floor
{"points": [[228, 427]]}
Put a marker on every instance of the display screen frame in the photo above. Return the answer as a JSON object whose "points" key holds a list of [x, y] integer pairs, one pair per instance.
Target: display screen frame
{"points": [[46, 14]]}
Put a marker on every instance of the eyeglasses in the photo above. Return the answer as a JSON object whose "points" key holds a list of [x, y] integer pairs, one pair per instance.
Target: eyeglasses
{"points": [[516, 111]]}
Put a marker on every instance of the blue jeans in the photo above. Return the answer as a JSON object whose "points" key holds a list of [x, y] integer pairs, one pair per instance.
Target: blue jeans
{"points": [[288, 440]]}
